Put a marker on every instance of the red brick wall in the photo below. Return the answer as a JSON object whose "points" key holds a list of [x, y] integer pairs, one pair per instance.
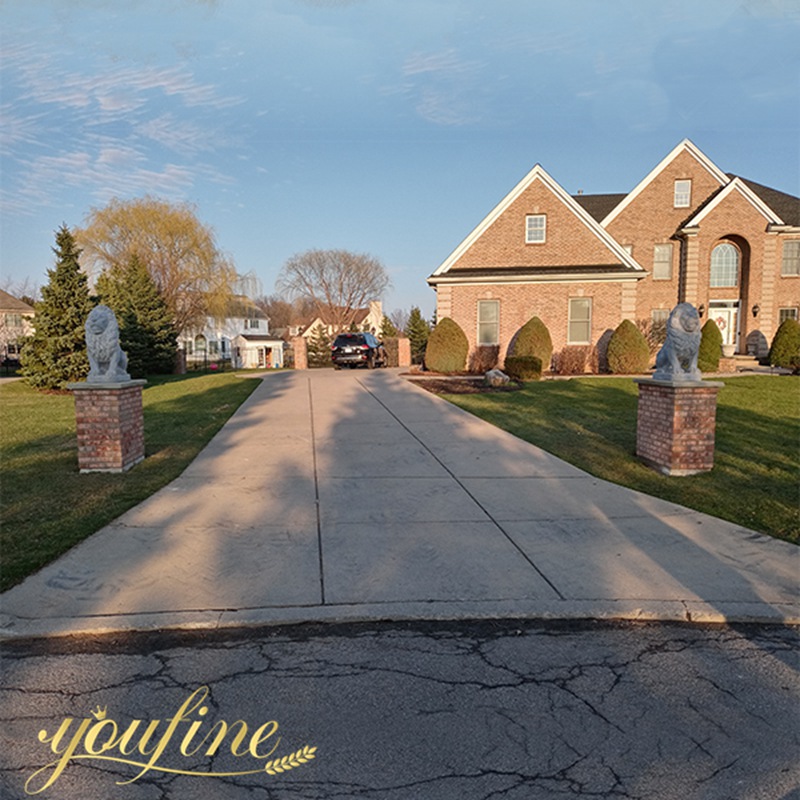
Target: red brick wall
{"points": [[548, 301], [110, 428], [675, 427]]}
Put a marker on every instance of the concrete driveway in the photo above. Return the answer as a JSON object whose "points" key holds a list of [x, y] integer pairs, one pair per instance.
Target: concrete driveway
{"points": [[356, 495]]}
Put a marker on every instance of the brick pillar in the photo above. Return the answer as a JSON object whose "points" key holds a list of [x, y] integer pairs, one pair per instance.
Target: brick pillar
{"points": [[300, 347], [110, 425], [403, 352], [676, 424]]}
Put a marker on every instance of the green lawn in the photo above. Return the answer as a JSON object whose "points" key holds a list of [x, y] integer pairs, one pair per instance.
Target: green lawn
{"points": [[47, 506], [591, 422]]}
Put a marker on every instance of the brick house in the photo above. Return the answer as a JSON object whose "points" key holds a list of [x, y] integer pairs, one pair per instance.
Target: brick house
{"points": [[686, 232]]}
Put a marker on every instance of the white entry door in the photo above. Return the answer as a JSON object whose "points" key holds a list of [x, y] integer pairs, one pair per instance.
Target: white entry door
{"points": [[725, 317]]}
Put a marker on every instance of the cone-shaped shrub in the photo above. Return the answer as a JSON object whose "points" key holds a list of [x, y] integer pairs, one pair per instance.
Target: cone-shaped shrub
{"points": [[710, 348], [785, 349], [447, 347], [628, 351], [533, 339]]}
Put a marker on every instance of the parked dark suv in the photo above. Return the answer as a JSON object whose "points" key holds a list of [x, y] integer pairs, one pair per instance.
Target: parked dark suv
{"points": [[358, 349]]}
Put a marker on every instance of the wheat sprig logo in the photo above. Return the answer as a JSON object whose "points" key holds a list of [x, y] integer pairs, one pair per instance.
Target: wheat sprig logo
{"points": [[291, 761]]}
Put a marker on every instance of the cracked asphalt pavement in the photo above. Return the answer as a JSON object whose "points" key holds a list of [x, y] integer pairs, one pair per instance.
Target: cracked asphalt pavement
{"points": [[491, 710]]}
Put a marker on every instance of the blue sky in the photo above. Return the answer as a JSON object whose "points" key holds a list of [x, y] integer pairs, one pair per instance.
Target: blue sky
{"points": [[390, 127]]}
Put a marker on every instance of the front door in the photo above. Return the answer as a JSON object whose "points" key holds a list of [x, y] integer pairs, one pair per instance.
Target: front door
{"points": [[726, 314]]}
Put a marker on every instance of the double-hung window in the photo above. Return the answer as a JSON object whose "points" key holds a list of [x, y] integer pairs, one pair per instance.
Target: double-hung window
{"points": [[535, 228], [579, 329], [791, 258], [683, 194], [786, 313], [488, 322], [662, 262]]}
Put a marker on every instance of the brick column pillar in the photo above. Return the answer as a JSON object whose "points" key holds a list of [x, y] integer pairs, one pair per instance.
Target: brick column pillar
{"points": [[676, 425], [403, 352], [300, 347], [110, 425]]}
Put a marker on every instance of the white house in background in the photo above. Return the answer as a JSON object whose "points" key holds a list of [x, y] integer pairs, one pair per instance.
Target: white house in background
{"points": [[16, 322], [242, 338], [365, 319]]}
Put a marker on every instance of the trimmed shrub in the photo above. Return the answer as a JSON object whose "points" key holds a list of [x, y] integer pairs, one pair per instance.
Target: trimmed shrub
{"points": [[571, 360], [628, 351], [533, 339], [710, 347], [483, 358], [447, 347], [785, 349], [523, 368]]}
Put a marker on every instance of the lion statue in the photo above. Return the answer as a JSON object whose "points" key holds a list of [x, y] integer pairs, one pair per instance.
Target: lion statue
{"points": [[107, 362], [677, 359]]}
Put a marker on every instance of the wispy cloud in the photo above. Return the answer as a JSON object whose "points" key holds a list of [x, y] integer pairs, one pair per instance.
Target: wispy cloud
{"points": [[103, 127], [180, 136], [441, 86], [101, 175]]}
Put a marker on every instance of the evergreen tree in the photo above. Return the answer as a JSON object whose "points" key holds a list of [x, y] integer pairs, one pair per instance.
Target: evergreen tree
{"points": [[56, 353], [319, 348], [710, 347], [146, 331], [388, 330], [417, 331], [785, 349]]}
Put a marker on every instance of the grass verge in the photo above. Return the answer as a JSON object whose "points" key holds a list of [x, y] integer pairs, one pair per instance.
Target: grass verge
{"points": [[591, 423], [48, 506]]}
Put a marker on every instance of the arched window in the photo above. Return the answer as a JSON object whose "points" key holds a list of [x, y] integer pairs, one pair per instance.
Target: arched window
{"points": [[199, 343], [724, 265]]}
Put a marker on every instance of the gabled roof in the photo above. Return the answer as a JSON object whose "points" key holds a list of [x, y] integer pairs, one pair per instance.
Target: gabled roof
{"points": [[538, 173], [785, 206], [10, 303], [328, 317], [684, 147], [737, 185]]}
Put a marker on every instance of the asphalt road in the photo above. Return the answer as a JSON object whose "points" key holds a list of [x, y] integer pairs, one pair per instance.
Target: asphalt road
{"points": [[487, 710]]}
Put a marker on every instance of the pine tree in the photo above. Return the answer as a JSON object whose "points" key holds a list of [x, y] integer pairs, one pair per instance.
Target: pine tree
{"points": [[146, 331], [319, 348], [388, 330], [56, 353], [417, 331]]}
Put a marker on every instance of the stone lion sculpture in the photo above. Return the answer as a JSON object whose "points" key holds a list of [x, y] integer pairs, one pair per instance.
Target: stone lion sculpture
{"points": [[107, 362], [677, 359]]}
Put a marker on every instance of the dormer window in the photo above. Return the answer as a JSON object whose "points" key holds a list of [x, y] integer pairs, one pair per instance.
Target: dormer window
{"points": [[683, 194], [535, 228]]}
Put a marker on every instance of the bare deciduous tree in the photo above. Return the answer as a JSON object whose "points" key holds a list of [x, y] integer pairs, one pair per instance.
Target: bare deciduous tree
{"points": [[338, 282]]}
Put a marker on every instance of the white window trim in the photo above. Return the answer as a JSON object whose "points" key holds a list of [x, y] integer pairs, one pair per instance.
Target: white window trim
{"points": [[716, 284], [792, 313], [795, 260], [570, 340], [682, 196], [665, 245], [536, 230], [496, 323]]}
